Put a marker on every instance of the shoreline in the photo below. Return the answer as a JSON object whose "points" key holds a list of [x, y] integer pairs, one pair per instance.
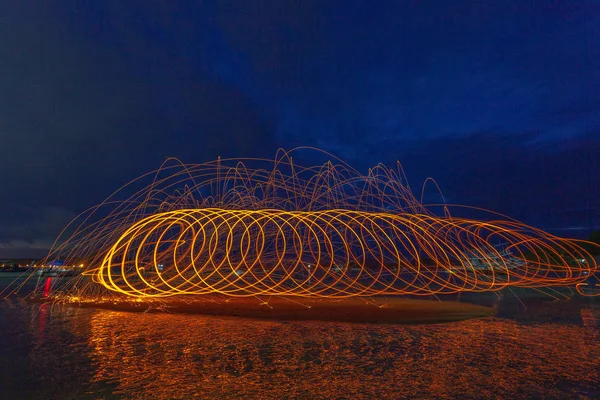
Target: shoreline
{"points": [[384, 310]]}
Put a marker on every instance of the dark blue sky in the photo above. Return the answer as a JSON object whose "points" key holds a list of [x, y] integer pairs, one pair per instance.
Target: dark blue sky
{"points": [[499, 101]]}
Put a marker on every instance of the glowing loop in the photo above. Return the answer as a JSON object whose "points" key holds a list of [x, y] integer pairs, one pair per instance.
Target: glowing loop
{"points": [[334, 253], [273, 227]]}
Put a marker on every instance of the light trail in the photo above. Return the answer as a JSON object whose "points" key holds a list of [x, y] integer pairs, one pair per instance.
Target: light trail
{"points": [[334, 253], [325, 231]]}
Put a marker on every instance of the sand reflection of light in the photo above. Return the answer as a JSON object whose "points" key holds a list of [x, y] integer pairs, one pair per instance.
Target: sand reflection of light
{"points": [[219, 357]]}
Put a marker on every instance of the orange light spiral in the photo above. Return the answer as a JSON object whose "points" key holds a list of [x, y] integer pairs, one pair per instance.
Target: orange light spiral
{"points": [[325, 231], [334, 253]]}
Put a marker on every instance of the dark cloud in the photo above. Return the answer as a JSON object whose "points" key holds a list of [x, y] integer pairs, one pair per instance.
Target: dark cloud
{"points": [[30, 232], [97, 93], [552, 185], [86, 107]]}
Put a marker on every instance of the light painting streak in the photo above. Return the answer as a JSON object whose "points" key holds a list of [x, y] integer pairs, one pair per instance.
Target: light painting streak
{"points": [[286, 230]]}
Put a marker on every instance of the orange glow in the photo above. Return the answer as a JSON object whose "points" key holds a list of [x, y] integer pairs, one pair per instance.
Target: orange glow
{"points": [[335, 253], [325, 231], [232, 358]]}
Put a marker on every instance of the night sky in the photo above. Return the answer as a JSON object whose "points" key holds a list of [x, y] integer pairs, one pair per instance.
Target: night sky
{"points": [[499, 101]]}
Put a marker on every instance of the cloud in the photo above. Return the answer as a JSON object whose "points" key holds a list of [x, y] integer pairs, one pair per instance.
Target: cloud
{"points": [[97, 94], [545, 185], [30, 232], [91, 102], [360, 75]]}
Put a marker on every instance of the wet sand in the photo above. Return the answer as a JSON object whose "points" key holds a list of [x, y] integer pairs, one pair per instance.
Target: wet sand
{"points": [[382, 310], [376, 310]]}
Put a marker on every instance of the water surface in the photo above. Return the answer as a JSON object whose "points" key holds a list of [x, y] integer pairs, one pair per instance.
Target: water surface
{"points": [[548, 349]]}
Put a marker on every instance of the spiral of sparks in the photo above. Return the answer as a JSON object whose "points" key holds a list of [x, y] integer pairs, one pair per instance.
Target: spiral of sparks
{"points": [[325, 231]]}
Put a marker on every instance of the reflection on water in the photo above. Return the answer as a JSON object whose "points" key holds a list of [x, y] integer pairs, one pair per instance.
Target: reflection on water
{"points": [[65, 352]]}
